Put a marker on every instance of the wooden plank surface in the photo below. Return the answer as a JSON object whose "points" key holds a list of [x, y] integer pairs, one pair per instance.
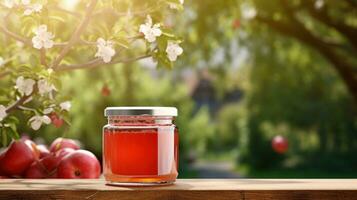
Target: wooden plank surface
{"points": [[190, 189]]}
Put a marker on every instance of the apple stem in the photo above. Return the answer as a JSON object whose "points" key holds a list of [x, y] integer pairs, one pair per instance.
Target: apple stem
{"points": [[77, 173]]}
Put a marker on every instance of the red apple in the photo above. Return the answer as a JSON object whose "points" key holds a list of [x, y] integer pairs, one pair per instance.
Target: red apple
{"points": [[36, 170], [235, 24], [63, 152], [280, 144], [105, 91], [43, 150], [52, 161], [56, 120], [33, 147], [24, 137], [46, 167], [61, 143], [79, 164], [2, 155], [17, 158]]}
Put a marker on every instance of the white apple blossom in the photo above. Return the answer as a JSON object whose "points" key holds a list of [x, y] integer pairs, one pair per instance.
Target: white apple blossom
{"points": [[248, 11], [173, 50], [2, 61], [2, 112], [37, 121], [48, 110], [44, 87], [105, 50], [174, 6], [24, 86], [66, 105], [10, 3], [25, 2], [149, 30], [33, 8], [42, 38], [319, 4]]}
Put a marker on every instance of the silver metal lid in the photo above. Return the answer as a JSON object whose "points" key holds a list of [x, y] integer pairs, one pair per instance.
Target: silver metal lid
{"points": [[154, 111]]}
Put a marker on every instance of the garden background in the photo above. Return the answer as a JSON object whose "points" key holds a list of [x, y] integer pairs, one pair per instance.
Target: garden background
{"points": [[250, 71]]}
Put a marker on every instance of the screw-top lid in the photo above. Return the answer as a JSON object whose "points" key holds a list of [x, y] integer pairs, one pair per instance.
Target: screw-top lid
{"points": [[154, 111]]}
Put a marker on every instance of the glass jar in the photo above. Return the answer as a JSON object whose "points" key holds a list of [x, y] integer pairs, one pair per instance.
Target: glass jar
{"points": [[140, 146]]}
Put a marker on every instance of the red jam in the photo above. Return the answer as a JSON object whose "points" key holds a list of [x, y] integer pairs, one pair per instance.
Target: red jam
{"points": [[140, 150]]}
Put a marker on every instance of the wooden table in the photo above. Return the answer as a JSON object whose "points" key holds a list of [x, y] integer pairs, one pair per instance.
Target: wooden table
{"points": [[185, 189]]}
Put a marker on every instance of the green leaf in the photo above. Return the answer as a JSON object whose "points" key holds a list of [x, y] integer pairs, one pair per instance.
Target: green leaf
{"points": [[163, 60], [3, 137], [13, 132], [122, 42], [169, 34], [3, 98], [13, 119], [175, 3], [67, 120], [57, 18], [28, 23]]}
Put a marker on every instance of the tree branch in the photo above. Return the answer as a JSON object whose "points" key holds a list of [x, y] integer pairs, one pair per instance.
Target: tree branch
{"points": [[18, 103], [3, 74], [14, 35], [43, 57], [297, 30], [90, 43], [97, 63], [121, 14], [352, 3], [75, 14], [321, 15], [76, 35], [28, 42]]}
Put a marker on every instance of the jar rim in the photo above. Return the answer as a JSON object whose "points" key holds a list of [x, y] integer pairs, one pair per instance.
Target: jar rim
{"points": [[140, 110]]}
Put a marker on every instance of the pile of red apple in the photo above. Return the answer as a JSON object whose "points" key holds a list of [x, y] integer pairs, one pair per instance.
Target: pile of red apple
{"points": [[64, 159]]}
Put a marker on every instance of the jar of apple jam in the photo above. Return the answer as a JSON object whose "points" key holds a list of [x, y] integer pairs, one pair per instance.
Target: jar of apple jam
{"points": [[140, 146]]}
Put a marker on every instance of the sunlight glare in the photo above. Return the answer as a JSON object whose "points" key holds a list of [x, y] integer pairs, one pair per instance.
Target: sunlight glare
{"points": [[69, 4]]}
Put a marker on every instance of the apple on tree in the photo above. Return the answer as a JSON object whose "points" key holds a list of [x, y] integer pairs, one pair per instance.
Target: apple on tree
{"points": [[236, 24], [280, 144], [56, 120], [105, 91]]}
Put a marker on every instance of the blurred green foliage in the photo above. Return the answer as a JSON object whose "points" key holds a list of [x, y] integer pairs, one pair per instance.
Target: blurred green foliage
{"points": [[290, 89], [293, 81]]}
